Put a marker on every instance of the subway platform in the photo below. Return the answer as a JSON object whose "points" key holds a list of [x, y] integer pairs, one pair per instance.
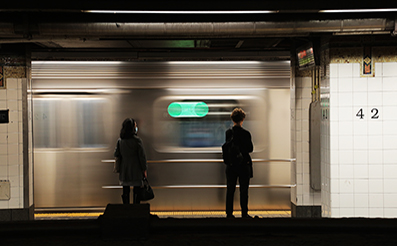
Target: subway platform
{"points": [[132, 225]]}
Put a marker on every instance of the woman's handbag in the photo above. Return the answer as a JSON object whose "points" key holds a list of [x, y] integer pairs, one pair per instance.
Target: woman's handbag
{"points": [[146, 191]]}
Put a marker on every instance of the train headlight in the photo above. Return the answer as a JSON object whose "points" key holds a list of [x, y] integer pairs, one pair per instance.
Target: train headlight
{"points": [[188, 109]]}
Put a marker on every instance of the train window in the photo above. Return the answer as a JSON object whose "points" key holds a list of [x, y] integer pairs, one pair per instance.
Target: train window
{"points": [[47, 131], [192, 125], [69, 122], [90, 122]]}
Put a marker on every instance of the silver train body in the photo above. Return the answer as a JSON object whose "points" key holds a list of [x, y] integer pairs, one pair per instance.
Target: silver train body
{"points": [[78, 109]]}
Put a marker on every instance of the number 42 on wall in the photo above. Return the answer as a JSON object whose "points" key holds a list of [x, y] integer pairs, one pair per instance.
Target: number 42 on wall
{"points": [[374, 111]]}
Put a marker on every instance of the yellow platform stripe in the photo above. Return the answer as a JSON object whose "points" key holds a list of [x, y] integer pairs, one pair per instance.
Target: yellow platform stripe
{"points": [[166, 213]]}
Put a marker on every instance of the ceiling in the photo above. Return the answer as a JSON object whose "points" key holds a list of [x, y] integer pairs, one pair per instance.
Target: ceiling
{"points": [[61, 29]]}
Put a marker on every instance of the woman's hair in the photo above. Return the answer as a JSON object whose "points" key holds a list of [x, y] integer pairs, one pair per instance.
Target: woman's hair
{"points": [[237, 115], [128, 129]]}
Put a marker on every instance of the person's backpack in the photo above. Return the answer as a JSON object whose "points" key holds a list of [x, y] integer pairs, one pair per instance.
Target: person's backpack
{"points": [[231, 152]]}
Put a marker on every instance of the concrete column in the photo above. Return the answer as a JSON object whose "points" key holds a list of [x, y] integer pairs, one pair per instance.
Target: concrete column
{"points": [[305, 202], [16, 151]]}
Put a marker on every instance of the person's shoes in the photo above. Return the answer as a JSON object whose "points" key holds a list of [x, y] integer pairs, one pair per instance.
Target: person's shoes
{"points": [[230, 216], [246, 217]]}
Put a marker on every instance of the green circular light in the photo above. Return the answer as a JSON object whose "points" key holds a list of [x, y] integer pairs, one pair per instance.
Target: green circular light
{"points": [[188, 109], [201, 109], [175, 109]]}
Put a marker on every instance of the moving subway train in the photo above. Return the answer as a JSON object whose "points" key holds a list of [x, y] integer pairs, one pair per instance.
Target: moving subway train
{"points": [[182, 110]]}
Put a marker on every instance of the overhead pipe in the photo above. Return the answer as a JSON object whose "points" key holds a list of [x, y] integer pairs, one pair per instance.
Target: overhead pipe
{"points": [[57, 31]]}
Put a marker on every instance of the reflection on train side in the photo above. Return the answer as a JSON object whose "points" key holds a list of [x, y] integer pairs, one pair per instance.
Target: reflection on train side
{"points": [[70, 122]]}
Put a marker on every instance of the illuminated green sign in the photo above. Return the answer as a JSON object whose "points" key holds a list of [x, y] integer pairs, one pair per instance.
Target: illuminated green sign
{"points": [[188, 109]]}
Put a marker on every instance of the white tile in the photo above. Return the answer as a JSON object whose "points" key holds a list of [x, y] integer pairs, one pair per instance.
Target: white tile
{"points": [[12, 138], [3, 138], [390, 200], [346, 113], [378, 69], [12, 94], [361, 171], [360, 85], [345, 99], [3, 149], [346, 200], [13, 170], [375, 142], [334, 143], [389, 69], [360, 127], [334, 213], [3, 160], [389, 127], [375, 156], [12, 149], [360, 99], [390, 157], [375, 186], [334, 85], [346, 142], [375, 171], [345, 128], [375, 84], [390, 213], [375, 99], [14, 115], [3, 172], [356, 70], [389, 141], [360, 142], [333, 70], [346, 157], [387, 113], [345, 85], [345, 70], [361, 212], [389, 185], [360, 157], [12, 105], [375, 200], [335, 200], [334, 171], [375, 127], [361, 201], [361, 186], [12, 83], [389, 98], [389, 84], [346, 186], [13, 160], [334, 186], [4, 205], [3, 94], [376, 212]]}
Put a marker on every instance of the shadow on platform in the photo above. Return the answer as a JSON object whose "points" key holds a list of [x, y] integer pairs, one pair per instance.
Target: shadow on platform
{"points": [[133, 225]]}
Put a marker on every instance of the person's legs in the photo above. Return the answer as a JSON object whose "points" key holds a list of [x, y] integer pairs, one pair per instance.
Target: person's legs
{"points": [[126, 195], [244, 180], [231, 177], [136, 190]]}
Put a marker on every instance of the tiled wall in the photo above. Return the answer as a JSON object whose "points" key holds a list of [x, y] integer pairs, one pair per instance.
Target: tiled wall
{"points": [[360, 174], [304, 195], [11, 143]]}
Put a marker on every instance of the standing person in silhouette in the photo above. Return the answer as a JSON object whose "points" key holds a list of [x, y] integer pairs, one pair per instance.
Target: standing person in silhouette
{"points": [[133, 166], [241, 170]]}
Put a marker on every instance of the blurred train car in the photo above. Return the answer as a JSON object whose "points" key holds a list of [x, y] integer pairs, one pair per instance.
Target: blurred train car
{"points": [[182, 110]]}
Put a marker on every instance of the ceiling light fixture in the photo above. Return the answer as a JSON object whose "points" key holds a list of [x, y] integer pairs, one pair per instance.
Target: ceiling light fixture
{"points": [[180, 12]]}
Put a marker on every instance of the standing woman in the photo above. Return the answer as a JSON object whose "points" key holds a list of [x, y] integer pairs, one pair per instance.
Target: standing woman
{"points": [[133, 166]]}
